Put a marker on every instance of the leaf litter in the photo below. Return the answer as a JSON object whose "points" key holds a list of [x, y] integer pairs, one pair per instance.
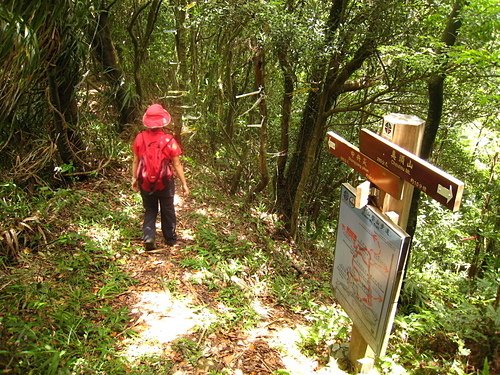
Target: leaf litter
{"points": [[173, 315]]}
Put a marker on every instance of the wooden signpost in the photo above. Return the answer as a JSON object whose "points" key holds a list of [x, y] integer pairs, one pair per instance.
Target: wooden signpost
{"points": [[391, 164]]}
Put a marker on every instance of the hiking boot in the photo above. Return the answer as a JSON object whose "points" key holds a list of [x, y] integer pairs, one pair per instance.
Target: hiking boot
{"points": [[149, 245]]}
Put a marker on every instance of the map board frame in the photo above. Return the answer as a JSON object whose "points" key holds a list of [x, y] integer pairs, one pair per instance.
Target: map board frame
{"points": [[370, 257]]}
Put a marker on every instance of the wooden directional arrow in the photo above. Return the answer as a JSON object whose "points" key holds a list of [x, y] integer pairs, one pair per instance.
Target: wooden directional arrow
{"points": [[436, 183], [373, 171]]}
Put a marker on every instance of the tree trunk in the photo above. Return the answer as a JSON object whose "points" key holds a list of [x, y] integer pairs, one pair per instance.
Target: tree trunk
{"points": [[315, 140], [435, 90], [231, 96], [105, 53], [140, 44], [326, 99], [181, 76], [193, 48], [61, 109], [62, 77], [286, 197], [259, 64], [286, 110], [490, 207], [286, 192]]}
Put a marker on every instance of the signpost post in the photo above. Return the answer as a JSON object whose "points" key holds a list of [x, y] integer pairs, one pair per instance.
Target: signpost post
{"points": [[391, 164], [407, 132]]}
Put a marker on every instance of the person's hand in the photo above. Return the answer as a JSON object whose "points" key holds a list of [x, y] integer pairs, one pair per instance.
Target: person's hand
{"points": [[135, 184], [185, 190]]}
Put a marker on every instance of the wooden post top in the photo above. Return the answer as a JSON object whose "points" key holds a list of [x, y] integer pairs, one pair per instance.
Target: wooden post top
{"points": [[401, 119]]}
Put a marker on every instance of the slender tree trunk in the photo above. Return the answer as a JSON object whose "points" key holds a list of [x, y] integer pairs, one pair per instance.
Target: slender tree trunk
{"points": [[181, 76], [259, 65], [435, 90], [231, 93], [105, 53], [193, 47], [490, 204], [242, 158], [252, 119], [286, 111], [140, 44]]}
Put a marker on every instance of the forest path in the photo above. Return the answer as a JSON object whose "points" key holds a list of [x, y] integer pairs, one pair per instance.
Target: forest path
{"points": [[180, 318]]}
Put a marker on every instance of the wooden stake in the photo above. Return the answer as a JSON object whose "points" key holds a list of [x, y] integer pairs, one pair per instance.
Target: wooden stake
{"points": [[362, 194], [361, 355]]}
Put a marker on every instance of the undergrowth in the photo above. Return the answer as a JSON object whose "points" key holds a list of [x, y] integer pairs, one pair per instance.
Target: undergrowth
{"points": [[61, 273], [59, 277]]}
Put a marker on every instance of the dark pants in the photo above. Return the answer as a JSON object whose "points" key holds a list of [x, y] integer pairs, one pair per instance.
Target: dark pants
{"points": [[165, 200]]}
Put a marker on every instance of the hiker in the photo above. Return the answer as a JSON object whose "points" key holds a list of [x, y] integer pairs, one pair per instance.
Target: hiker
{"points": [[155, 148]]}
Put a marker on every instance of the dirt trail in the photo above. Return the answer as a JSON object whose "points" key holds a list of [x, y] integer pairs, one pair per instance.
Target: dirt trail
{"points": [[171, 314]]}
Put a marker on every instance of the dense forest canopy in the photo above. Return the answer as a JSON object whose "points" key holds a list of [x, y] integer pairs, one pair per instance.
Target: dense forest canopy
{"points": [[253, 87]]}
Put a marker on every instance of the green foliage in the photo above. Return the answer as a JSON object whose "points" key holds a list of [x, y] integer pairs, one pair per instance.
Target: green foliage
{"points": [[329, 327], [189, 350], [446, 318], [59, 235], [291, 292], [224, 263], [52, 323], [235, 309]]}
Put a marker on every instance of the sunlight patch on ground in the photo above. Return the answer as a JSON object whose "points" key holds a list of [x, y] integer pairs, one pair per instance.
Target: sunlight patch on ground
{"points": [[162, 319], [285, 340], [208, 211], [260, 309], [198, 276], [101, 234], [186, 234], [201, 212], [178, 200]]}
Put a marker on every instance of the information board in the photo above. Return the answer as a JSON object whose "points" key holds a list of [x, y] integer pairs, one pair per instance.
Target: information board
{"points": [[370, 256]]}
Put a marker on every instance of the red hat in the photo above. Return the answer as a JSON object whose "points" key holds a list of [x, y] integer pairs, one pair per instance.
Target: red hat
{"points": [[156, 117]]}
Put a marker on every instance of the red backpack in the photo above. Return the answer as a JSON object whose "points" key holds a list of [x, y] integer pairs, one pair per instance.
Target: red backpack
{"points": [[154, 167]]}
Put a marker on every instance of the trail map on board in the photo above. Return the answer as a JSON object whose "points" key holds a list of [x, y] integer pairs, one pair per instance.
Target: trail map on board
{"points": [[370, 255]]}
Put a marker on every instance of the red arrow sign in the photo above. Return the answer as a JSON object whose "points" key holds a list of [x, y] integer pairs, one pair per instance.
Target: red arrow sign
{"points": [[380, 176], [436, 183]]}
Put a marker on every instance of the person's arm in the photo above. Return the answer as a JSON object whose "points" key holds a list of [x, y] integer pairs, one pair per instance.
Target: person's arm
{"points": [[135, 164], [179, 171]]}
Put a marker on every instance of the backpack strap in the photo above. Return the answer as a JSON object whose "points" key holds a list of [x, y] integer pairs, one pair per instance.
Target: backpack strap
{"points": [[162, 140]]}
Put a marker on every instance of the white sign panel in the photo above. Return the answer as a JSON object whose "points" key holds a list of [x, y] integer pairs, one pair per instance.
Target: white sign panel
{"points": [[370, 256]]}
